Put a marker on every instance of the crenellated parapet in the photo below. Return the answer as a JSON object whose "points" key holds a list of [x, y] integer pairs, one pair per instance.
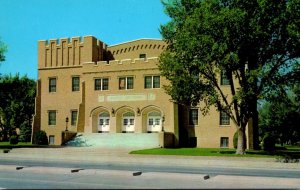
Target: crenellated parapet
{"points": [[124, 64], [66, 52]]}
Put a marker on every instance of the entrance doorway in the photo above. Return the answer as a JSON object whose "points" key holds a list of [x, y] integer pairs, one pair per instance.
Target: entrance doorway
{"points": [[128, 122], [104, 120], [154, 122]]}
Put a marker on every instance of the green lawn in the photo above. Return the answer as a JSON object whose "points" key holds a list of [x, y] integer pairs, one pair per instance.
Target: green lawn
{"points": [[7, 145], [290, 151], [20, 143]]}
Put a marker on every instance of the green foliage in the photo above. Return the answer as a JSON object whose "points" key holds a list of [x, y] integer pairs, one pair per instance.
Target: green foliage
{"points": [[254, 46], [235, 139], [41, 138], [268, 142], [3, 49], [17, 96], [13, 140], [281, 115]]}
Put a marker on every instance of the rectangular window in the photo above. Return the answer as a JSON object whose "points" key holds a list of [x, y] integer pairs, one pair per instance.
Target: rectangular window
{"points": [[98, 84], [75, 83], [157, 121], [74, 117], [122, 83], [131, 121], [52, 84], [105, 84], [52, 117], [224, 142], [142, 56], [156, 81], [125, 121], [125, 83], [101, 84], [152, 82], [150, 121], [224, 118], [148, 82], [51, 140], [224, 79], [193, 117]]}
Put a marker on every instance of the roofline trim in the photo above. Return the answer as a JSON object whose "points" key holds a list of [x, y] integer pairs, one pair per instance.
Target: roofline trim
{"points": [[157, 39]]}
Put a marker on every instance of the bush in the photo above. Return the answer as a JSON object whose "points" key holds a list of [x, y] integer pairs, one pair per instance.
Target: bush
{"points": [[41, 138], [13, 139], [235, 140], [268, 142]]}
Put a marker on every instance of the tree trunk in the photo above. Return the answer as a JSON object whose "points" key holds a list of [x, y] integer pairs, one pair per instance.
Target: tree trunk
{"points": [[241, 145]]}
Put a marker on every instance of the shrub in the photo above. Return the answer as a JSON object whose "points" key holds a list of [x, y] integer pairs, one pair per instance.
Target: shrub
{"points": [[41, 138], [13, 139], [235, 140], [268, 142]]}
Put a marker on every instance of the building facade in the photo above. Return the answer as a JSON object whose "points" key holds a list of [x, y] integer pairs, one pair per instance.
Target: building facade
{"points": [[86, 86]]}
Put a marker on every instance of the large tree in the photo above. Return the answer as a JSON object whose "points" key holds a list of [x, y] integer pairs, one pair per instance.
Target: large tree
{"points": [[17, 96], [280, 114], [255, 43], [3, 49]]}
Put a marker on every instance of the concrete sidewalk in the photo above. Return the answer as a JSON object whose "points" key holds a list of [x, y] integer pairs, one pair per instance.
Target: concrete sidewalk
{"points": [[96, 155]]}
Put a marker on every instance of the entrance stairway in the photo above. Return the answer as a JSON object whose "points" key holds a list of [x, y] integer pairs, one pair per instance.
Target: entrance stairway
{"points": [[116, 140]]}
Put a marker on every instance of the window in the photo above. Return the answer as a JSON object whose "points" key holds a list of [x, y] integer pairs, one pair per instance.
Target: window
{"points": [[152, 82], [51, 117], [51, 139], [143, 56], [52, 84], [105, 84], [125, 83], [154, 118], [224, 118], [101, 84], [224, 142], [224, 79], [193, 117], [74, 117], [75, 83]]}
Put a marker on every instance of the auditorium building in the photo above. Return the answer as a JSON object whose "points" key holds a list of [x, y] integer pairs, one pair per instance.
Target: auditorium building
{"points": [[87, 86]]}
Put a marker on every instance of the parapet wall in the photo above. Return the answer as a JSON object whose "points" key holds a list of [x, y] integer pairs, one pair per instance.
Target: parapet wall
{"points": [[117, 65], [67, 52]]}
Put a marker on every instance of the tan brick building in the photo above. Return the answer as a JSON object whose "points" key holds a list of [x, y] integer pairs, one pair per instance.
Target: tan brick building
{"points": [[116, 89]]}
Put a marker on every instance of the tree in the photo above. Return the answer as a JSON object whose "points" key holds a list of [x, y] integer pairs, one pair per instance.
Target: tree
{"points": [[280, 116], [16, 106], [255, 44], [2, 51]]}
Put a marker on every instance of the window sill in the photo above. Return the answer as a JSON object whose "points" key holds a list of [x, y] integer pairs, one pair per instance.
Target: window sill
{"points": [[224, 125]]}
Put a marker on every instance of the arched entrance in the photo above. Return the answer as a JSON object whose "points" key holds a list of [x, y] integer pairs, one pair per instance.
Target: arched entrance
{"points": [[100, 120], [128, 122], [104, 122], [154, 122]]}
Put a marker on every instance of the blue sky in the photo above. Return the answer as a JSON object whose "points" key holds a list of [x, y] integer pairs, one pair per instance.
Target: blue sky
{"points": [[24, 22]]}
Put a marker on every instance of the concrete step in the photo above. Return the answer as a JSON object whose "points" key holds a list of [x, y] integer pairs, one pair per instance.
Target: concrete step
{"points": [[116, 140]]}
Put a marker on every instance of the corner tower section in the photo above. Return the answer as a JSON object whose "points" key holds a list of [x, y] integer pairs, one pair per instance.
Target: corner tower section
{"points": [[60, 84]]}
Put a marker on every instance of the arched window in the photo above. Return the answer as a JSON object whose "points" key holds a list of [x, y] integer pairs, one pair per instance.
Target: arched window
{"points": [[104, 114], [128, 114]]}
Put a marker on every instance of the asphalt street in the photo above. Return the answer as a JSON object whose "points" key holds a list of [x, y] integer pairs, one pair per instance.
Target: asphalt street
{"points": [[114, 168]]}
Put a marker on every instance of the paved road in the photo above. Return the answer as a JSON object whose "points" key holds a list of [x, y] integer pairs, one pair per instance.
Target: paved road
{"points": [[64, 178], [50, 168], [147, 167]]}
